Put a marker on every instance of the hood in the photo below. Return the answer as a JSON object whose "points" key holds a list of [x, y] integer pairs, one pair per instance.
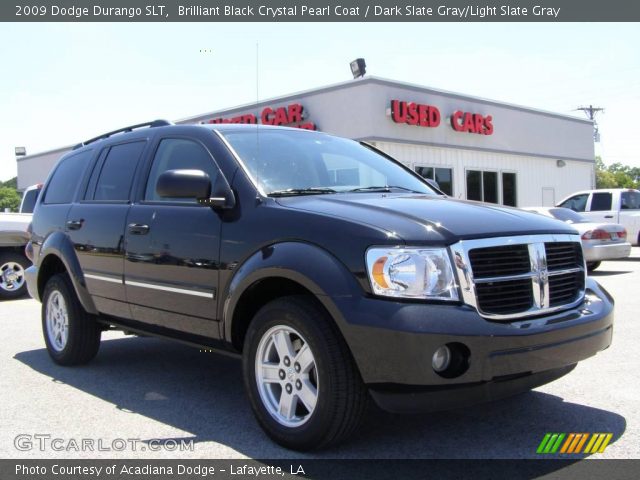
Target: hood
{"points": [[416, 218]]}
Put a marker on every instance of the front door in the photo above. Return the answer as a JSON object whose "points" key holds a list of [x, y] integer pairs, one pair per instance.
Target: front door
{"points": [[172, 248]]}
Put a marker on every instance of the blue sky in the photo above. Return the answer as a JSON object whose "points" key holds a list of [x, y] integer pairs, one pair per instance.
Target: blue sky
{"points": [[62, 83]]}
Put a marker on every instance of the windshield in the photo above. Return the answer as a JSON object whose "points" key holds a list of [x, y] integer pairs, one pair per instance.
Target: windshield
{"points": [[286, 162], [567, 215]]}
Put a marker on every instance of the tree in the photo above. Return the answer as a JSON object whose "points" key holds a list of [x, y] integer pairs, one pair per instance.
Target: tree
{"points": [[12, 183], [9, 198], [616, 175]]}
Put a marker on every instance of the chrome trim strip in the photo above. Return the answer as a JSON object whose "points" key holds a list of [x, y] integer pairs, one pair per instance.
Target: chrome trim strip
{"points": [[183, 291], [521, 276], [539, 274], [104, 279]]}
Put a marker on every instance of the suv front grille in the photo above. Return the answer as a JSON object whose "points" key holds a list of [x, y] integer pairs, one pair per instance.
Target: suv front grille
{"points": [[514, 277]]}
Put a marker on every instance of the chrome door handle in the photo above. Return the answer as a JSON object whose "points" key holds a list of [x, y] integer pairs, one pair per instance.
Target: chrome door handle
{"points": [[138, 229], [75, 224]]}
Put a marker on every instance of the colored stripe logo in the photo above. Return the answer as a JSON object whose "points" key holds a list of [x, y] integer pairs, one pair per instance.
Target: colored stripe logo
{"points": [[574, 443]]}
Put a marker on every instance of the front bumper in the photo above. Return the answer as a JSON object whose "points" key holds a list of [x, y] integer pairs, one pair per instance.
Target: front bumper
{"points": [[596, 253], [393, 344]]}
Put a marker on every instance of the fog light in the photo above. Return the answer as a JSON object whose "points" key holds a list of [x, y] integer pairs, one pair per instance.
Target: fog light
{"points": [[441, 359]]}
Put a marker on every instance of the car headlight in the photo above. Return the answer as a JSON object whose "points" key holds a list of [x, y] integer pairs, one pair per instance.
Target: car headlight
{"points": [[411, 272]]}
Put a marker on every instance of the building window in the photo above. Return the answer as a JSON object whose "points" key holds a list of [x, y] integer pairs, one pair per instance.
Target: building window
{"points": [[444, 177], [483, 186], [509, 189]]}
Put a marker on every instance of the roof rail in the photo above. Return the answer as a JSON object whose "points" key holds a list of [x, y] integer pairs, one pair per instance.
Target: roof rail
{"points": [[155, 123]]}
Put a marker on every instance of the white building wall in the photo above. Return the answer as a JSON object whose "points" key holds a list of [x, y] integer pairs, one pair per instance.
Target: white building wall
{"points": [[35, 169], [539, 180]]}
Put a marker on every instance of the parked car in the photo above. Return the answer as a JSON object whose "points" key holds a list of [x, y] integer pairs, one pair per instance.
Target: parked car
{"points": [[14, 235], [613, 205], [335, 287], [600, 241]]}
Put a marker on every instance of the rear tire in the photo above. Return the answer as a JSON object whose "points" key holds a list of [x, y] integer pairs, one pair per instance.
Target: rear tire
{"points": [[591, 266], [303, 385], [72, 335], [12, 279]]}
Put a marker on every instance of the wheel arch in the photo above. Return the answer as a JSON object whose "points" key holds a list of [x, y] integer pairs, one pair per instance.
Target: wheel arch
{"points": [[57, 255], [290, 268]]}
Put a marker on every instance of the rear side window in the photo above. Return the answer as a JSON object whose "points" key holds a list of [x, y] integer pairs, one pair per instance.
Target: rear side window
{"points": [[577, 203], [601, 202], [630, 201], [66, 178], [113, 176]]}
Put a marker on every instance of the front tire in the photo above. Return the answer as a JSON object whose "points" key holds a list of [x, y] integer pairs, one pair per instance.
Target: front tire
{"points": [[12, 280], [72, 335], [303, 384], [591, 266]]}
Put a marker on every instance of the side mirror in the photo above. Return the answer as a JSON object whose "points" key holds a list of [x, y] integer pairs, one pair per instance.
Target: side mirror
{"points": [[184, 184], [196, 184]]}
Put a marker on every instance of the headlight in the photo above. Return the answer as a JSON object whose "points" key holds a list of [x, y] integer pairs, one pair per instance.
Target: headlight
{"points": [[411, 272]]}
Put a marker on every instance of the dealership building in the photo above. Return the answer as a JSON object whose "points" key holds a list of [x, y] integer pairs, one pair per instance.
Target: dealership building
{"points": [[475, 149]]}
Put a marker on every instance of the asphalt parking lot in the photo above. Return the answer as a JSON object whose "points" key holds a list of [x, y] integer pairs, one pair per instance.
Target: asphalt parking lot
{"points": [[146, 388]]}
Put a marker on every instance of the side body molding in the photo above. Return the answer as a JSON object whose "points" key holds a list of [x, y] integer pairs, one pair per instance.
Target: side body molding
{"points": [[306, 264], [59, 245]]}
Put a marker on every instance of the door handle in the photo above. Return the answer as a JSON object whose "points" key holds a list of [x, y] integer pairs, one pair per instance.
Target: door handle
{"points": [[75, 224], [608, 216], [138, 229]]}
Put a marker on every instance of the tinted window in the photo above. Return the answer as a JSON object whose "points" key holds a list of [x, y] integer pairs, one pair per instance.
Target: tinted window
{"points": [[490, 186], [116, 173], [577, 203], [630, 201], [567, 215], [178, 154], [29, 200], [601, 202], [474, 185], [509, 192], [66, 178]]}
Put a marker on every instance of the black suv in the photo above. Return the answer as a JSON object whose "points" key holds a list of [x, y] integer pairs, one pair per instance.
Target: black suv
{"points": [[337, 273]]}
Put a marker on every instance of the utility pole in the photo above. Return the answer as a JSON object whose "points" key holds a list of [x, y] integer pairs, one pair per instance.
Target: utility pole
{"points": [[591, 113]]}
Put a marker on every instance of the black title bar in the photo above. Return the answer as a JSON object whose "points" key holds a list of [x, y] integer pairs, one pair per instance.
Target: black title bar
{"points": [[320, 11]]}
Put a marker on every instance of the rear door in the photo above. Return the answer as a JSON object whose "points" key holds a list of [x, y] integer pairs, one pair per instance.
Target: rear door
{"points": [[173, 246], [601, 208], [96, 225]]}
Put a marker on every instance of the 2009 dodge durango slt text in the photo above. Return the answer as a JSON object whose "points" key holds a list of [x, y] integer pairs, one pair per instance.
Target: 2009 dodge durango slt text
{"points": [[338, 274]]}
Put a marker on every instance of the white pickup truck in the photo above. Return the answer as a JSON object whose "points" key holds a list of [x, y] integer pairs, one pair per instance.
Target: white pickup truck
{"points": [[613, 205], [14, 236]]}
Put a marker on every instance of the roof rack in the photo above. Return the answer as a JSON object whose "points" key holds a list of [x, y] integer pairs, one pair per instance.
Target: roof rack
{"points": [[155, 123]]}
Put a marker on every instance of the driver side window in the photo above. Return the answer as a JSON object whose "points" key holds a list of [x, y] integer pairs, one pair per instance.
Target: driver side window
{"points": [[577, 203], [178, 154]]}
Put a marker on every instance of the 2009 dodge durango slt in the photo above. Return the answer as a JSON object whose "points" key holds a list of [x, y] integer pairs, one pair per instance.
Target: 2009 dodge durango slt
{"points": [[337, 273]]}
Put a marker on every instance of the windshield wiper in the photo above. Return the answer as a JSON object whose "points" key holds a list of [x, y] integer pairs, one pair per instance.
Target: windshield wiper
{"points": [[301, 191], [381, 188]]}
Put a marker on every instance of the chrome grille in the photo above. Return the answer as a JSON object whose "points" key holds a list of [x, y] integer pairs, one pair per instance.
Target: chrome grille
{"points": [[494, 261], [513, 277]]}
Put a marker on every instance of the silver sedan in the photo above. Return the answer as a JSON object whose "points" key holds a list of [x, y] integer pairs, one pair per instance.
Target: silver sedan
{"points": [[600, 241]]}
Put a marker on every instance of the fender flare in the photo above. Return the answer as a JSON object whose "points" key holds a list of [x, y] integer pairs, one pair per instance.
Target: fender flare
{"points": [[60, 246], [306, 264]]}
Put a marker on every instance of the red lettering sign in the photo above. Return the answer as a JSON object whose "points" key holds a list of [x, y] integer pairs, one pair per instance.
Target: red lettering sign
{"points": [[415, 114], [472, 123], [292, 115]]}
